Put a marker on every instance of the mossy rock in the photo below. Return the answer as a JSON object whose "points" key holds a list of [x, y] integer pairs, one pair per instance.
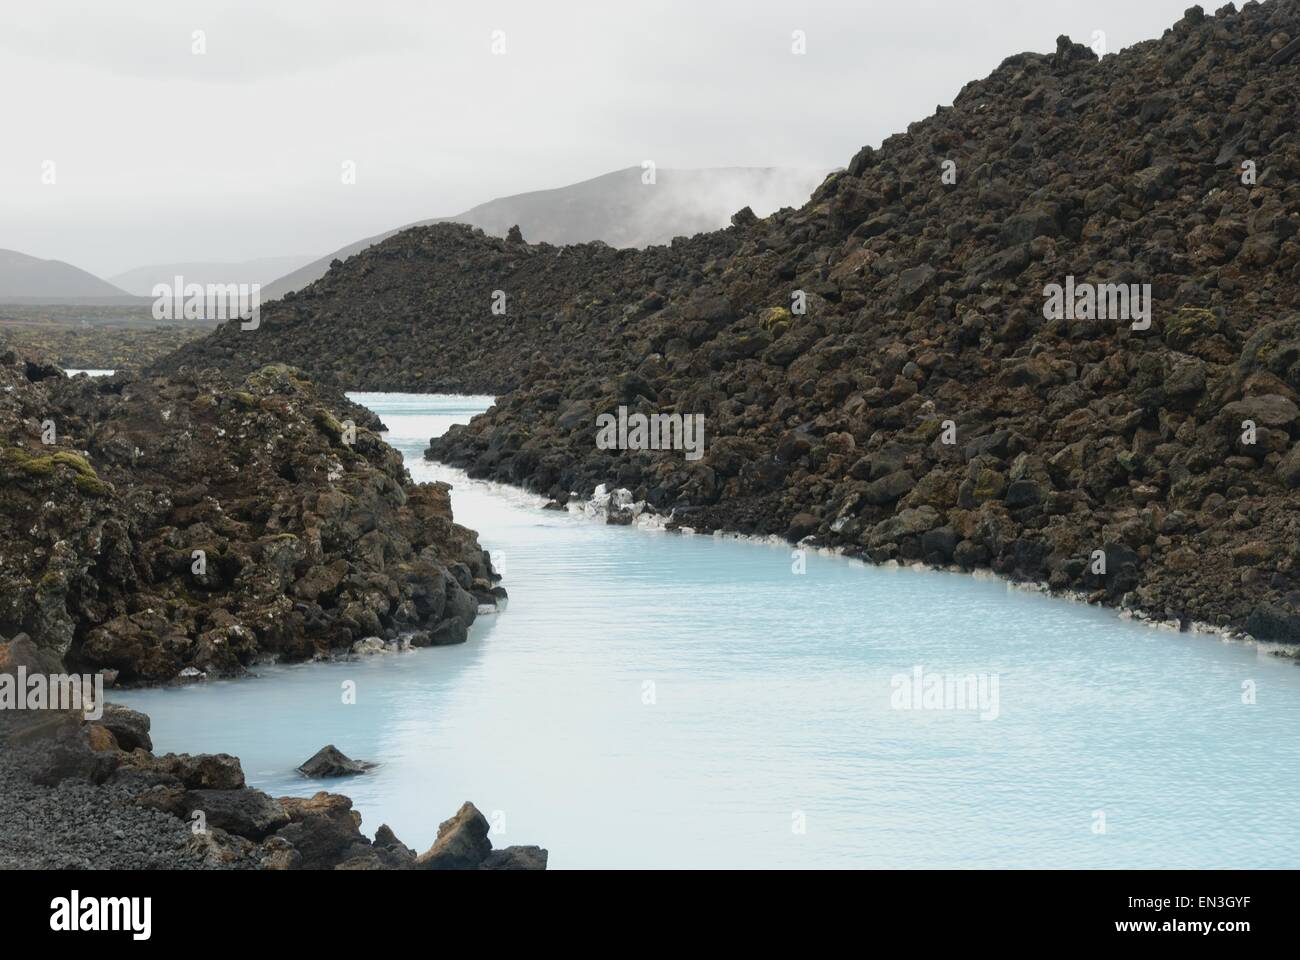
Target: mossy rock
{"points": [[76, 462], [34, 466], [274, 371], [92, 486], [1188, 325], [328, 424], [274, 376], [245, 399], [989, 485], [19, 459], [928, 430], [774, 317]]}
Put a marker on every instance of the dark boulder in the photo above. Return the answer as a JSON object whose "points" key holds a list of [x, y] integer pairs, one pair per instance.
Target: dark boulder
{"points": [[329, 761], [130, 727], [244, 812], [515, 858], [462, 842]]}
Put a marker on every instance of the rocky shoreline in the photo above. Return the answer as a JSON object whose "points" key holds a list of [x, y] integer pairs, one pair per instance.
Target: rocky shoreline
{"points": [[156, 529], [170, 530], [925, 409], [93, 795], [882, 370], [618, 508]]}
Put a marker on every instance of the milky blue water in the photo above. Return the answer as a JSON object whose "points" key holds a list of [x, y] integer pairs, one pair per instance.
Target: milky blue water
{"points": [[660, 700]]}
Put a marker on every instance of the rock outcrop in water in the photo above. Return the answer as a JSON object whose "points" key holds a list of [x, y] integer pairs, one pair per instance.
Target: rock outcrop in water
{"points": [[885, 370], [161, 527], [330, 761]]}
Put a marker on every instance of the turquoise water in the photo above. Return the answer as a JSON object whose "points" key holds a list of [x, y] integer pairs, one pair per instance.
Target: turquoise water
{"points": [[660, 700]]}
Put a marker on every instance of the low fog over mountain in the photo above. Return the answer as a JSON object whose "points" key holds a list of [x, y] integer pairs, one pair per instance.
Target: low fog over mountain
{"points": [[141, 280], [623, 209]]}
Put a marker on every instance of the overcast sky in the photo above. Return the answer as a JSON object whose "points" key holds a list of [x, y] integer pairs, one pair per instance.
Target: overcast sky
{"points": [[163, 155]]}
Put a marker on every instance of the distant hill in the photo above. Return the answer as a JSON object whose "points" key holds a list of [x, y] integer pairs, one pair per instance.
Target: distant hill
{"points": [[141, 280], [25, 279], [616, 208]]}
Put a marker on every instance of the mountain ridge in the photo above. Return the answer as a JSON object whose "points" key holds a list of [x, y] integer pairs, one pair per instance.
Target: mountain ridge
{"points": [[616, 197], [28, 279]]}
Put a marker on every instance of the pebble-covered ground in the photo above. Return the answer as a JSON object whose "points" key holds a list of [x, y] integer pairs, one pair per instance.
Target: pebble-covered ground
{"points": [[79, 826]]}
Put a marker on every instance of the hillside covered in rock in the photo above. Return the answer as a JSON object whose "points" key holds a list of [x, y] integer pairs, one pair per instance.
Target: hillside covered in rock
{"points": [[415, 313], [153, 528], [882, 370]]}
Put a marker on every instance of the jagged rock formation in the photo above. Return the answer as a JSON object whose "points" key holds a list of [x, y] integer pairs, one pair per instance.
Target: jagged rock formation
{"points": [[151, 527], [925, 269]]}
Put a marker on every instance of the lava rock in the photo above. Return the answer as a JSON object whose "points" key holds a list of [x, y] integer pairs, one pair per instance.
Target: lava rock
{"points": [[515, 858], [244, 812], [462, 842], [329, 761], [130, 727]]}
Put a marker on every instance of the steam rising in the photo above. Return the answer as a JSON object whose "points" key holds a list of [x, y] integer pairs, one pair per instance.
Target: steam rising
{"points": [[624, 211]]}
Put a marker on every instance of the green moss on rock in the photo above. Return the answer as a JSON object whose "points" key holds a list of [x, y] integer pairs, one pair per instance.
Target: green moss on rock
{"points": [[328, 424], [92, 486], [84, 475], [774, 317], [76, 462], [1188, 325]]}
